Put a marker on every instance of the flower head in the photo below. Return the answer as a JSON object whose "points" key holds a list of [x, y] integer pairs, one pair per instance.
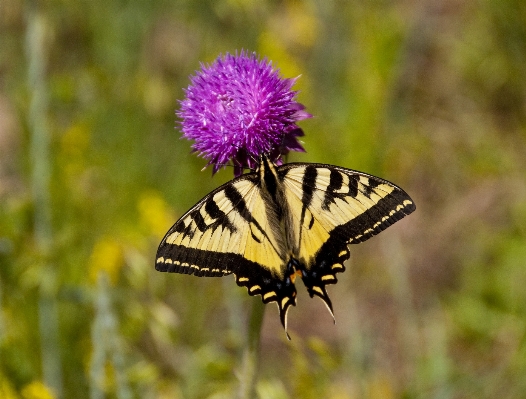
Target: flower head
{"points": [[238, 108]]}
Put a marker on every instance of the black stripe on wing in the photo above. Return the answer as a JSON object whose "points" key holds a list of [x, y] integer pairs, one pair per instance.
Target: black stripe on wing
{"points": [[388, 210]]}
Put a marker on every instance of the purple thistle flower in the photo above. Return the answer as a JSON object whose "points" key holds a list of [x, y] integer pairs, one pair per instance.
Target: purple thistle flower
{"points": [[238, 108]]}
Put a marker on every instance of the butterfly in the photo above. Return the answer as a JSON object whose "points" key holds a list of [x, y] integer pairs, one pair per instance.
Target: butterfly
{"points": [[278, 223]]}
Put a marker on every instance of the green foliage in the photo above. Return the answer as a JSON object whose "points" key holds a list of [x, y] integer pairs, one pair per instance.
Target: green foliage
{"points": [[432, 97]]}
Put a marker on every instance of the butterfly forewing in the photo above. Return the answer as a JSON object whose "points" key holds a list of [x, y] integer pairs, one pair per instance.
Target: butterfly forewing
{"points": [[196, 243]]}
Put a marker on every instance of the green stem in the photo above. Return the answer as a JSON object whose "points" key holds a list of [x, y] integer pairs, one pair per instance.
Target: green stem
{"points": [[107, 344], [248, 372], [36, 51]]}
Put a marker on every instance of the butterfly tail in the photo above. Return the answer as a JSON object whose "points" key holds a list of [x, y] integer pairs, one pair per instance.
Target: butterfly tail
{"points": [[283, 306], [321, 292]]}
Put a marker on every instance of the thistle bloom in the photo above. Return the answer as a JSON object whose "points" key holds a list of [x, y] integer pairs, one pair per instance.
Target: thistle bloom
{"points": [[239, 107]]}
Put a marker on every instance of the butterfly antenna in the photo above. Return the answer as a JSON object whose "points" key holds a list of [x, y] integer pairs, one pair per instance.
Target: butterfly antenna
{"points": [[256, 160], [281, 156], [280, 148]]}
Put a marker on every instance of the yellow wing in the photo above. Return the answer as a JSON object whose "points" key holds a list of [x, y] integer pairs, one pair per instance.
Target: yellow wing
{"points": [[228, 231], [331, 207]]}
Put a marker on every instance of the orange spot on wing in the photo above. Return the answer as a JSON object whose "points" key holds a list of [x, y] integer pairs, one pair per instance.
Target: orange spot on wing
{"points": [[297, 273]]}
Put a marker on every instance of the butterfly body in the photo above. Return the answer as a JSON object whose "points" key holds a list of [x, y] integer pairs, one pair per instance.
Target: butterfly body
{"points": [[278, 223]]}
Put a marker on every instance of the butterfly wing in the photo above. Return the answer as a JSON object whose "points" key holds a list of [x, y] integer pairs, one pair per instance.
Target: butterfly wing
{"points": [[332, 207], [230, 231]]}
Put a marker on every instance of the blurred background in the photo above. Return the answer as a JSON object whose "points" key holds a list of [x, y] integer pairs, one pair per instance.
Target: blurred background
{"points": [[430, 95]]}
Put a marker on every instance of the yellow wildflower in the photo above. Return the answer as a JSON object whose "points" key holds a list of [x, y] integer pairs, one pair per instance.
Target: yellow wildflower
{"points": [[37, 390], [107, 256]]}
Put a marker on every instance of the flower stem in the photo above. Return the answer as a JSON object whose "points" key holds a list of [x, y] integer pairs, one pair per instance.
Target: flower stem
{"points": [[249, 368]]}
